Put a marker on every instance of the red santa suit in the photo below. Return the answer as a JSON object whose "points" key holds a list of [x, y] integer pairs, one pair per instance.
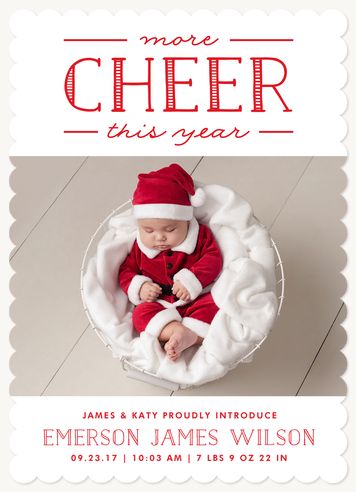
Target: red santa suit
{"points": [[196, 263], [169, 193]]}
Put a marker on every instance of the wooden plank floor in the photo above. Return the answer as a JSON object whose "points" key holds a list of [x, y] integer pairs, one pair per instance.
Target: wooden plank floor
{"points": [[57, 352]]}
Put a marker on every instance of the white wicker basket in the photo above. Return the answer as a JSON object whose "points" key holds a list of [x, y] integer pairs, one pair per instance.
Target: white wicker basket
{"points": [[142, 375]]}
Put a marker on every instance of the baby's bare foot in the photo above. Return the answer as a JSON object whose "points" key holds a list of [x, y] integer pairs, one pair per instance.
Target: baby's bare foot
{"points": [[180, 340], [172, 347]]}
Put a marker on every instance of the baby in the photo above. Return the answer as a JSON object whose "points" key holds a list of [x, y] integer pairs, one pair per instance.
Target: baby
{"points": [[171, 261]]}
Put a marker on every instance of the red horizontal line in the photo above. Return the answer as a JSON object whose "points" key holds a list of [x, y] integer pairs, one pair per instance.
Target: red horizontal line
{"points": [[276, 131], [80, 131], [262, 39], [95, 40]]}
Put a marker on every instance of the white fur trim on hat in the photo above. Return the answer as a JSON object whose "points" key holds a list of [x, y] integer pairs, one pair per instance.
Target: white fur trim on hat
{"points": [[133, 292], [199, 197], [161, 319], [190, 282], [163, 211], [199, 327]]}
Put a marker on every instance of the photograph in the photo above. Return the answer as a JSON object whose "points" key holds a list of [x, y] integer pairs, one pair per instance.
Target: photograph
{"points": [[186, 276]]}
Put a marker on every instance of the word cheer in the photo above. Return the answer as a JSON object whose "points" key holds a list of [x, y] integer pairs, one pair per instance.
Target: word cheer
{"points": [[171, 83]]}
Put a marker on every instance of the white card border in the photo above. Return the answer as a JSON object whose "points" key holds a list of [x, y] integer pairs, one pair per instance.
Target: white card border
{"points": [[6, 193]]}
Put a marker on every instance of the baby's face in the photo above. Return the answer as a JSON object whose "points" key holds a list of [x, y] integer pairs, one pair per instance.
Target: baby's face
{"points": [[162, 234]]}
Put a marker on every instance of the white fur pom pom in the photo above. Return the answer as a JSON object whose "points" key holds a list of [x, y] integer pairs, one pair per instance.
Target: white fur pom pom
{"points": [[198, 199]]}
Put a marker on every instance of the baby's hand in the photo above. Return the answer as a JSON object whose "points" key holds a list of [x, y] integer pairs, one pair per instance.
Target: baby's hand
{"points": [[149, 292], [180, 291]]}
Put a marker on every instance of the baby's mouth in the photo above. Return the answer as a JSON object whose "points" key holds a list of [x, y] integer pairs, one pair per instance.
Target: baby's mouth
{"points": [[162, 246]]}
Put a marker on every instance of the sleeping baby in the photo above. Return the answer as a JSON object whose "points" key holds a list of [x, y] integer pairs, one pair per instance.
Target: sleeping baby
{"points": [[171, 261]]}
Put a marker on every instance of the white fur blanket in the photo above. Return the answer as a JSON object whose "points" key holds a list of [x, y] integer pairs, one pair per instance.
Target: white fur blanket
{"points": [[244, 293]]}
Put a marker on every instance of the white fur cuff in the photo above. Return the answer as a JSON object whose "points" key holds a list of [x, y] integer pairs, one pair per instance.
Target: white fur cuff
{"points": [[190, 282], [134, 288], [200, 328], [160, 320]]}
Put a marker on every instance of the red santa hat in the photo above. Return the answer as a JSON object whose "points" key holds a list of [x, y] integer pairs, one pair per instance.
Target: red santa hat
{"points": [[168, 193]]}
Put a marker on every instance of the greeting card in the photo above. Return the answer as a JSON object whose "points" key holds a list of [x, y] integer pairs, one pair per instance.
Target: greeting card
{"points": [[177, 246]]}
